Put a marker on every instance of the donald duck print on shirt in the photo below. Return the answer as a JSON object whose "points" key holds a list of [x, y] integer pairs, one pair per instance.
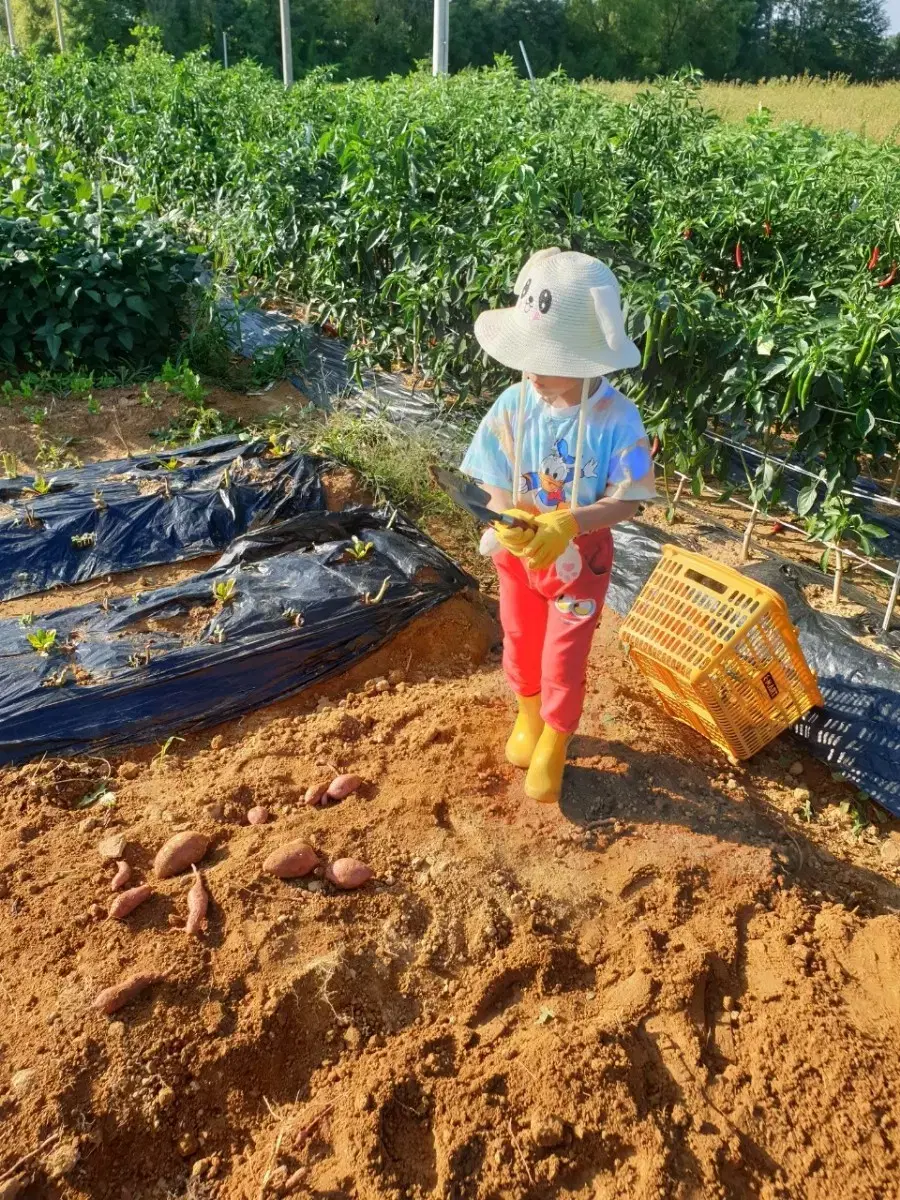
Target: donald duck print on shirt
{"points": [[556, 472]]}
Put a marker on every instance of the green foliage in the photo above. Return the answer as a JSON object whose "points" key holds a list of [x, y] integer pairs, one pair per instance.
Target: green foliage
{"points": [[42, 641], [223, 591], [401, 210], [86, 274], [603, 38], [837, 524]]}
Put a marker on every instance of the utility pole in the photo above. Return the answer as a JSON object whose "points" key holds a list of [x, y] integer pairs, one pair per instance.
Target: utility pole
{"points": [[225, 48], [59, 27], [9, 26], [441, 39], [287, 54]]}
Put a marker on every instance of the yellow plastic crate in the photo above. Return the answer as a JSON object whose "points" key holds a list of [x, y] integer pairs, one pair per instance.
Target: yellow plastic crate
{"points": [[721, 652]]}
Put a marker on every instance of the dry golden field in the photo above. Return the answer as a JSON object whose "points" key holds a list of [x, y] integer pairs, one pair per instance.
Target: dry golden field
{"points": [[869, 109]]}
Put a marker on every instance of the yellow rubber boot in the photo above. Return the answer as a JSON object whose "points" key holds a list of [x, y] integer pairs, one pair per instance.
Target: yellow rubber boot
{"points": [[544, 779], [526, 731]]}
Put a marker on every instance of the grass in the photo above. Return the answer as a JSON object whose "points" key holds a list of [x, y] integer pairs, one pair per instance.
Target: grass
{"points": [[869, 109]]}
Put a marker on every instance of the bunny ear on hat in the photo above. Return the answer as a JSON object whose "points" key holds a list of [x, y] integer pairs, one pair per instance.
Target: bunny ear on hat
{"points": [[538, 256], [608, 307]]}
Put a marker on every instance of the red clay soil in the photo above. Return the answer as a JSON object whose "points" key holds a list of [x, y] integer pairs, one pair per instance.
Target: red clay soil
{"points": [[663, 988]]}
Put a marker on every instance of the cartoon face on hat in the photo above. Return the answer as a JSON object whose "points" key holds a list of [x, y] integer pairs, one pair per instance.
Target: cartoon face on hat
{"points": [[567, 319]]}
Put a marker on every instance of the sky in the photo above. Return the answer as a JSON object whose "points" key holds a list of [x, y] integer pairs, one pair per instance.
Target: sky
{"points": [[892, 8]]}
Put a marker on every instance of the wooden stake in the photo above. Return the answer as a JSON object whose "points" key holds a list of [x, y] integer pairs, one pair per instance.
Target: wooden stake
{"points": [[838, 574], [748, 534]]}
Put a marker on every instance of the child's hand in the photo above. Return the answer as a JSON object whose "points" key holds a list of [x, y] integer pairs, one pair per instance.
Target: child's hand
{"points": [[512, 538], [555, 531]]}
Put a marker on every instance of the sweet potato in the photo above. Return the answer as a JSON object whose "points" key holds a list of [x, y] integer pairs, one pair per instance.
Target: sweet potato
{"points": [[314, 793], [258, 815], [291, 861], [127, 902], [197, 903], [113, 998], [179, 853], [348, 873], [341, 787], [122, 876]]}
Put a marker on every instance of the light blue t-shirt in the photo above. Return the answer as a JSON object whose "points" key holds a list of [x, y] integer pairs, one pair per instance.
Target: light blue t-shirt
{"points": [[616, 458]]}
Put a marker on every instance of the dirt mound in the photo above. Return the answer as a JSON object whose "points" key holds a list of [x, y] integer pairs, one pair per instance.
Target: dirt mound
{"points": [[652, 993]]}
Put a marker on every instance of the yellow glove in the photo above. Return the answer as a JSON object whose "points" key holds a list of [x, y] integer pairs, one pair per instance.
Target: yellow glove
{"points": [[510, 537], [555, 531]]}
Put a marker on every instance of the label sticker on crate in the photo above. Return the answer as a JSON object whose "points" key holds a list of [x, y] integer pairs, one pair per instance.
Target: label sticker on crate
{"points": [[772, 688]]}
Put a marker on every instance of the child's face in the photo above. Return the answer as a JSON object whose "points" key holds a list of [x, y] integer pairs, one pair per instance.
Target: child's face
{"points": [[560, 389]]}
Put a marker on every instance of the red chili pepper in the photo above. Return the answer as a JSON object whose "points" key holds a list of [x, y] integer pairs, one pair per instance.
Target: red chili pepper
{"points": [[777, 527], [739, 257], [329, 330], [891, 279], [873, 261], [767, 228], [687, 233], [655, 447]]}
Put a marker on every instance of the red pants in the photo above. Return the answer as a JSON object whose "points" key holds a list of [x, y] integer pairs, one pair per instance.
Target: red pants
{"points": [[548, 627]]}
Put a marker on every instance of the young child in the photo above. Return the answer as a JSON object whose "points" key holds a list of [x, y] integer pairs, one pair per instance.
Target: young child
{"points": [[569, 453]]}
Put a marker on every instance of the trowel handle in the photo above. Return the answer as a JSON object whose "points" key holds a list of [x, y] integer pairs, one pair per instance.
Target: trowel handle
{"points": [[515, 522]]}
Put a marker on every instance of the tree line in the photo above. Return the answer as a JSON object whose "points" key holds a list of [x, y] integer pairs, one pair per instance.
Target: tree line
{"points": [[604, 39]]}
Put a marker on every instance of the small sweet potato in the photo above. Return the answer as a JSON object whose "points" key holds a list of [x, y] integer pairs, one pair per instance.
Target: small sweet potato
{"points": [[314, 793], [179, 853], [113, 998], [122, 876], [341, 787], [291, 861], [197, 904], [348, 873], [127, 902]]}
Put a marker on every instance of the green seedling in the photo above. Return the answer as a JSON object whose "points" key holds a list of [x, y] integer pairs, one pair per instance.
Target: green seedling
{"points": [[31, 520], [359, 550], [218, 635], [165, 747], [225, 481], [81, 541], [99, 502], [223, 591], [35, 413], [99, 795], [42, 641], [279, 445], [146, 400], [41, 486], [93, 405], [54, 455], [294, 617], [140, 658], [806, 811], [368, 598], [168, 464], [10, 464], [26, 619]]}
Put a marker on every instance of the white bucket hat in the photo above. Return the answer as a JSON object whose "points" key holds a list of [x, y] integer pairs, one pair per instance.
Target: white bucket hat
{"points": [[568, 320]]}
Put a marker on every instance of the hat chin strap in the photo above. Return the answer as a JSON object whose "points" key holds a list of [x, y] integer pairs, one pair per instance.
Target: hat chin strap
{"points": [[520, 433], [579, 442]]}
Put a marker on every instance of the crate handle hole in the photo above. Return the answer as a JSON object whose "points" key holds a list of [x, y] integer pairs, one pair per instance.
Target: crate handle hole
{"points": [[713, 584]]}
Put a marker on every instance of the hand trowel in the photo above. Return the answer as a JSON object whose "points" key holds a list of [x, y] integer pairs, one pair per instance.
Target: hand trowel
{"points": [[474, 500]]}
